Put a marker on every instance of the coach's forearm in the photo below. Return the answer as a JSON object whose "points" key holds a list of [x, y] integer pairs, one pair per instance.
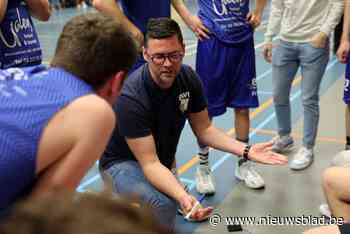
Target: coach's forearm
{"points": [[219, 140], [163, 179]]}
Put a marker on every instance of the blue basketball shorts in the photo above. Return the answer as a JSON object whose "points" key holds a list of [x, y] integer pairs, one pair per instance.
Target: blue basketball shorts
{"points": [[228, 74]]}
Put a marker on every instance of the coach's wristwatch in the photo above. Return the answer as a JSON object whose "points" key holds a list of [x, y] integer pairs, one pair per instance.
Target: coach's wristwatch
{"points": [[246, 152]]}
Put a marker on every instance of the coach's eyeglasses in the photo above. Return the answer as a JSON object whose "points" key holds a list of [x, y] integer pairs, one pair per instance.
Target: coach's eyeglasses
{"points": [[159, 59]]}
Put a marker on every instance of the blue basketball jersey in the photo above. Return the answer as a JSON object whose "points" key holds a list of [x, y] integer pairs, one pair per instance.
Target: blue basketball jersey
{"points": [[140, 11], [19, 43], [346, 97], [226, 19], [29, 98]]}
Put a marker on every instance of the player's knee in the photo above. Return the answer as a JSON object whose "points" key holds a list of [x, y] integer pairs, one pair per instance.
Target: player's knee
{"points": [[317, 230], [242, 111], [328, 178]]}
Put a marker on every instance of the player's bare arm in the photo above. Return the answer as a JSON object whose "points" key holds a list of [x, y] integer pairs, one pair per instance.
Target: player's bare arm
{"points": [[72, 142], [111, 8], [39, 9], [254, 17], [192, 21]]}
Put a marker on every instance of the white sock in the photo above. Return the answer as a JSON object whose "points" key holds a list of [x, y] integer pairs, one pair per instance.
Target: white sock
{"points": [[203, 156]]}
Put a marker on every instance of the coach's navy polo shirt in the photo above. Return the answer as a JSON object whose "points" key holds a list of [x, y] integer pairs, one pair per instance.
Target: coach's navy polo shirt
{"points": [[143, 109]]}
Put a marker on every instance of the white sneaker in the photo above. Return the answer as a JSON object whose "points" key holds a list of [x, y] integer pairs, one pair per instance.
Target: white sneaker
{"points": [[341, 159], [246, 172], [302, 159], [282, 144], [324, 210], [204, 180]]}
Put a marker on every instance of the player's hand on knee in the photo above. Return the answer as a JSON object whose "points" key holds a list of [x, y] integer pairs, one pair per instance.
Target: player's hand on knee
{"points": [[267, 52], [262, 153]]}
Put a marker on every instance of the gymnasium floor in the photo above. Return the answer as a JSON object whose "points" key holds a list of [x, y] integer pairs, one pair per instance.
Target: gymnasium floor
{"points": [[287, 193]]}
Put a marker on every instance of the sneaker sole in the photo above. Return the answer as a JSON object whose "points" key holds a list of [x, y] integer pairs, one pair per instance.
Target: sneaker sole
{"points": [[205, 192]]}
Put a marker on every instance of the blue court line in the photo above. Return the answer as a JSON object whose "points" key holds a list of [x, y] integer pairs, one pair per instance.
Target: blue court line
{"points": [[265, 92], [260, 126], [81, 187], [264, 74], [188, 181]]}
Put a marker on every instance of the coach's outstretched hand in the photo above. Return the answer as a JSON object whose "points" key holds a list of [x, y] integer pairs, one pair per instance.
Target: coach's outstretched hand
{"points": [[262, 153]]}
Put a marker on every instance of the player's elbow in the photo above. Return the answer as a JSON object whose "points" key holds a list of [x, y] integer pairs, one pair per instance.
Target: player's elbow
{"points": [[43, 15]]}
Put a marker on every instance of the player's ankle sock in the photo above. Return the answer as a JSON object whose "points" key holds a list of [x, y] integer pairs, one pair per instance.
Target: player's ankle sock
{"points": [[347, 146], [203, 156], [242, 160], [243, 140]]}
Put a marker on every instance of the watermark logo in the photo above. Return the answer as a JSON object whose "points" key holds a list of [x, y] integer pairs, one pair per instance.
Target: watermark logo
{"points": [[270, 220]]}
